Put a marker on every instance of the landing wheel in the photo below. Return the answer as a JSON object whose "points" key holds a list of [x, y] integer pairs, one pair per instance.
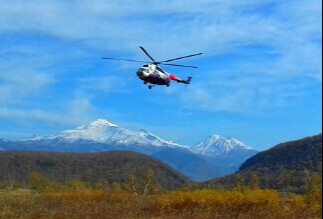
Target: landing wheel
{"points": [[167, 85], [145, 82], [149, 86]]}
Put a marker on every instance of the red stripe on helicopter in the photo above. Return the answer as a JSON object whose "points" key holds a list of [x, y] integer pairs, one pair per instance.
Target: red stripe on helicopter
{"points": [[174, 78]]}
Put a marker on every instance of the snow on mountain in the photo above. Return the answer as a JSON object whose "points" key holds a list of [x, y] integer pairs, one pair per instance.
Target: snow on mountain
{"points": [[226, 153], [156, 140], [214, 156], [103, 132], [217, 145]]}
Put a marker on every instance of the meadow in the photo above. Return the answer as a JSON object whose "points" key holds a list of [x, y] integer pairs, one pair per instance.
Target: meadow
{"points": [[44, 199]]}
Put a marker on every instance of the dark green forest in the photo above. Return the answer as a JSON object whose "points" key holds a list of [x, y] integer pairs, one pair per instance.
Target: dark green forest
{"points": [[91, 168], [288, 166]]}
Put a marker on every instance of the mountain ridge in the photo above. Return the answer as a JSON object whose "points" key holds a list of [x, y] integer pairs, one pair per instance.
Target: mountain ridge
{"points": [[290, 155], [101, 135], [92, 168], [287, 166], [102, 131]]}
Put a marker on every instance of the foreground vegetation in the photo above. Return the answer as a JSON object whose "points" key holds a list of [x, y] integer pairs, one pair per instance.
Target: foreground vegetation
{"points": [[48, 199], [176, 204], [283, 182]]}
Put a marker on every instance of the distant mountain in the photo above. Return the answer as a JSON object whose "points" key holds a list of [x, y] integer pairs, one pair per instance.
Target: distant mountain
{"points": [[227, 154], [3, 142], [211, 158], [92, 168], [99, 135], [188, 163], [285, 166]]}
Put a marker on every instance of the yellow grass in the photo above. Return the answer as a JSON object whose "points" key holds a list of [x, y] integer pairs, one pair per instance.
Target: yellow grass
{"points": [[90, 203]]}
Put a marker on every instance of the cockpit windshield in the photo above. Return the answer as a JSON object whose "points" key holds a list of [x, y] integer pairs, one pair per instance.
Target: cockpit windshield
{"points": [[159, 69], [145, 66]]}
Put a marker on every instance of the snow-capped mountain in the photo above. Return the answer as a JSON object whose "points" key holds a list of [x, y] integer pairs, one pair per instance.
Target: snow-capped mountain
{"points": [[104, 132], [216, 154], [96, 136], [217, 145], [226, 152]]}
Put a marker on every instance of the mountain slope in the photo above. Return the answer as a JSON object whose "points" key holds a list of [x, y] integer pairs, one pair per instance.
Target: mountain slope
{"points": [[218, 155], [286, 166], [188, 163], [2, 141], [295, 155], [92, 168]]}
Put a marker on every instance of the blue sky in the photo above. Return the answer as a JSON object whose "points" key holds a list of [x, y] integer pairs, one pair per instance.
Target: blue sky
{"points": [[259, 79]]}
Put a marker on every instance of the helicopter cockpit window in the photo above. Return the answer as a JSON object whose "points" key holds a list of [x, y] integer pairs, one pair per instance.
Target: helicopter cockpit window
{"points": [[159, 69], [145, 66]]}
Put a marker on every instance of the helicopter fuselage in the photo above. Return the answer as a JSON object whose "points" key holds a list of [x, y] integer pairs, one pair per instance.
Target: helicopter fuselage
{"points": [[153, 74]]}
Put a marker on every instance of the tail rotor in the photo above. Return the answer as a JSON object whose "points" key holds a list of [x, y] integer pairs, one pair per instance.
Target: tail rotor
{"points": [[188, 81]]}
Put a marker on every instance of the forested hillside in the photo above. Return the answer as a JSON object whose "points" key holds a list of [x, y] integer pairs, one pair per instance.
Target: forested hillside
{"points": [[91, 168], [288, 166], [295, 155]]}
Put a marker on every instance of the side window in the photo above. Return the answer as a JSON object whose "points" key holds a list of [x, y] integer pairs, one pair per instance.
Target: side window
{"points": [[159, 69]]}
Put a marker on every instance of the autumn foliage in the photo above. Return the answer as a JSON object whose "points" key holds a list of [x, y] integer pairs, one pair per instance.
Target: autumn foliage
{"points": [[75, 199]]}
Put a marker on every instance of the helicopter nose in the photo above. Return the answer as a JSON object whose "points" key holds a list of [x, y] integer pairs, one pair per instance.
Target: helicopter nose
{"points": [[140, 73]]}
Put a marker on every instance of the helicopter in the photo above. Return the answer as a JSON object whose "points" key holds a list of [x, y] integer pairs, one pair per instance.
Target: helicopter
{"points": [[153, 74]]}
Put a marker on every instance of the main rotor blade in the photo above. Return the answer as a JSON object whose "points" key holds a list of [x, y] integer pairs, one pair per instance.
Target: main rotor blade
{"points": [[142, 48], [129, 60], [187, 66], [183, 57]]}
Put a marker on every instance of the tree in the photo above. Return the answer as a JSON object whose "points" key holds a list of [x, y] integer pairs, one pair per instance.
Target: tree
{"points": [[149, 178], [240, 185], [254, 182], [38, 182], [133, 181], [116, 187], [307, 177], [266, 177], [77, 185]]}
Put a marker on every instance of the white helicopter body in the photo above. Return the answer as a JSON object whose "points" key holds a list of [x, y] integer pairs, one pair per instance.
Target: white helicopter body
{"points": [[153, 74]]}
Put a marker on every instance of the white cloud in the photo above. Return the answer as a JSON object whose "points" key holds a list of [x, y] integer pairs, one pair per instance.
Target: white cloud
{"points": [[75, 112], [214, 27], [288, 30], [111, 84], [18, 84], [245, 94]]}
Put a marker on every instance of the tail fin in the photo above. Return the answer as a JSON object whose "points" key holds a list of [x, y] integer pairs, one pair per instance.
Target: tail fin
{"points": [[188, 81]]}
